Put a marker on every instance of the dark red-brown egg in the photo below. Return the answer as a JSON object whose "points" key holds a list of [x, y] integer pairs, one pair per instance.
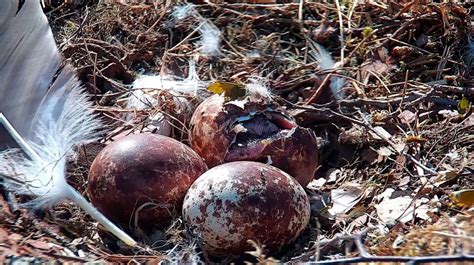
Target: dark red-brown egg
{"points": [[253, 129], [240, 201], [141, 179]]}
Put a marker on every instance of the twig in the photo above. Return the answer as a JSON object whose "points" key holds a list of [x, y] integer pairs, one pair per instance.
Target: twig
{"points": [[76, 32], [319, 90], [300, 12], [424, 51], [410, 260], [468, 91], [404, 90], [341, 30], [11, 201], [356, 48], [418, 163], [163, 14], [442, 62], [365, 257]]}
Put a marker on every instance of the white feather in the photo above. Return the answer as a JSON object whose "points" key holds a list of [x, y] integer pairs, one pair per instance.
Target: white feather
{"points": [[320, 55], [44, 175], [139, 99], [210, 35], [183, 11], [174, 84], [46, 106], [142, 97], [257, 87], [209, 44], [324, 59], [163, 82]]}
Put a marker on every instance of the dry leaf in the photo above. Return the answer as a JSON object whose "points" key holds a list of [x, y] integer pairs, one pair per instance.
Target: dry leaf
{"points": [[383, 153], [406, 116], [369, 155], [360, 221], [444, 176], [377, 67], [463, 198], [404, 181], [382, 52], [230, 90], [316, 184], [402, 51], [415, 139], [392, 208], [333, 175], [345, 198], [381, 133]]}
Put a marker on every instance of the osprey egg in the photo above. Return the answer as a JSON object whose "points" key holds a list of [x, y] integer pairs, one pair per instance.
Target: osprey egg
{"points": [[240, 201], [142, 179]]}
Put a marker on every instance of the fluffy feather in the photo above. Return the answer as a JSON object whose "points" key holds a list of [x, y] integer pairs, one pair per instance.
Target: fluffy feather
{"points": [[257, 86], [183, 11], [142, 96], [176, 85], [55, 137], [210, 35], [320, 55], [210, 39], [46, 106], [139, 99]]}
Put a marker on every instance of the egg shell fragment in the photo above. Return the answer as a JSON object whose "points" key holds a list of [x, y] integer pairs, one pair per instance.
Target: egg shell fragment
{"points": [[147, 170], [240, 201]]}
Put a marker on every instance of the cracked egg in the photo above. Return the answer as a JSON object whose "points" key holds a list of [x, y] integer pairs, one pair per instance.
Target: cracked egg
{"points": [[141, 179], [240, 201], [253, 129]]}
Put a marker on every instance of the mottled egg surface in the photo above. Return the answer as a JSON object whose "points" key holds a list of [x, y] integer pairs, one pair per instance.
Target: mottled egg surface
{"points": [[253, 129], [240, 201], [143, 178]]}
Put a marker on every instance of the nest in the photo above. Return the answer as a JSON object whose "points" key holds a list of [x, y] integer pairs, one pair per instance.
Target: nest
{"points": [[404, 122]]}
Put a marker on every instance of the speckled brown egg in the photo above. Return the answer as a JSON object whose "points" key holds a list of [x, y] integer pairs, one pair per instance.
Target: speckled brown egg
{"points": [[141, 179], [240, 201], [253, 129]]}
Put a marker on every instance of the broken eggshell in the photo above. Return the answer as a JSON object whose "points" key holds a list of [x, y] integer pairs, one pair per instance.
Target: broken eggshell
{"points": [[253, 129], [142, 179], [240, 201]]}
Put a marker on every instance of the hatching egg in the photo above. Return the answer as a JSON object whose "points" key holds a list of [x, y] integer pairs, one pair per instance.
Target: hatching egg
{"points": [[253, 129]]}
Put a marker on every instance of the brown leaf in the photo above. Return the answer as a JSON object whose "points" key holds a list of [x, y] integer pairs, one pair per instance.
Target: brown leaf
{"points": [[377, 67], [463, 198], [406, 116], [402, 51]]}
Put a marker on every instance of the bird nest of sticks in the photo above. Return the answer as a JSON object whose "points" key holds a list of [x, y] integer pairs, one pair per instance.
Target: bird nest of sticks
{"points": [[396, 150]]}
